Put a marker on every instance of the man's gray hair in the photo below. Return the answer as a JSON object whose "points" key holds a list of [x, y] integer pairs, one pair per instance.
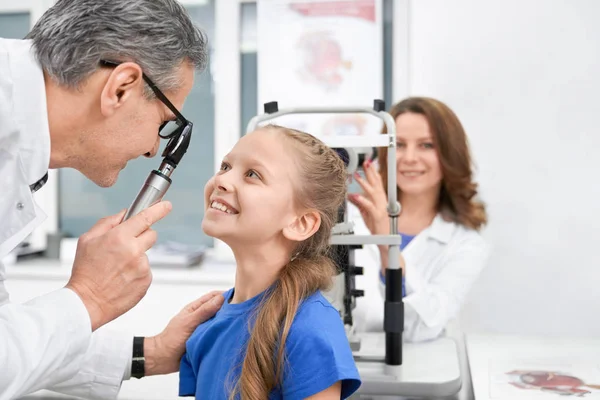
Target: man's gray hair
{"points": [[72, 37]]}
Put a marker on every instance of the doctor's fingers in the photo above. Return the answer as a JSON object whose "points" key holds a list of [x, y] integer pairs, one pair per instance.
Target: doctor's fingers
{"points": [[366, 207], [366, 186], [374, 193], [216, 296], [372, 175], [104, 225], [146, 240], [142, 221]]}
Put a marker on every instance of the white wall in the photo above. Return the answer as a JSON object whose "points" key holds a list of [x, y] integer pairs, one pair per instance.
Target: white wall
{"points": [[524, 78]]}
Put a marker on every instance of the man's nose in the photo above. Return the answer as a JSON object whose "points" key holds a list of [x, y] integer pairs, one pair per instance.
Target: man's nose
{"points": [[154, 150]]}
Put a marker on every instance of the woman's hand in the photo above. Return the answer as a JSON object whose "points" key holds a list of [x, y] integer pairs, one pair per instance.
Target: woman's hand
{"points": [[372, 203]]}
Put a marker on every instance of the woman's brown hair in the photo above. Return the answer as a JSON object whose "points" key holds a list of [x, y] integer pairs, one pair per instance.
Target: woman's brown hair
{"points": [[322, 187], [457, 195]]}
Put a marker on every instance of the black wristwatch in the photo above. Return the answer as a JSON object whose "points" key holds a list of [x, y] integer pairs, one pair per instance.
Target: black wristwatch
{"points": [[138, 368]]}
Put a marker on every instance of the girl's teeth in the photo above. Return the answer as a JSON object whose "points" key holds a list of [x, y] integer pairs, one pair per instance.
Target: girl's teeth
{"points": [[220, 207]]}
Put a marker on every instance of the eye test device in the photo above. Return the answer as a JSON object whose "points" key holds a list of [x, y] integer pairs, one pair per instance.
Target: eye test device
{"points": [[159, 180], [387, 365]]}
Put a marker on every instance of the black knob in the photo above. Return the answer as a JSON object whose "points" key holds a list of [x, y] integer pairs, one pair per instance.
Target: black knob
{"points": [[357, 293], [378, 105], [356, 271], [271, 107]]}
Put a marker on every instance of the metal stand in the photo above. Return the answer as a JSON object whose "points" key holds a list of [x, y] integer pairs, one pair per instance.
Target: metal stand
{"points": [[345, 241], [343, 256]]}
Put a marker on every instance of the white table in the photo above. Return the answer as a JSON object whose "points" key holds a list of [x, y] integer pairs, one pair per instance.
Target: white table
{"points": [[429, 370], [492, 356]]}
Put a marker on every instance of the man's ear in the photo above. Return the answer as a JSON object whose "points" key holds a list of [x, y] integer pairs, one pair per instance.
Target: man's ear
{"points": [[124, 82], [303, 226]]}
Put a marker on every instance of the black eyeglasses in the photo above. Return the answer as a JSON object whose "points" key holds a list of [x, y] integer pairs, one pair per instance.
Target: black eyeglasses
{"points": [[167, 129]]}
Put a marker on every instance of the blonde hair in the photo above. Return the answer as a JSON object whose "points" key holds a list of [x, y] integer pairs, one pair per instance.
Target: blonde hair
{"points": [[322, 188]]}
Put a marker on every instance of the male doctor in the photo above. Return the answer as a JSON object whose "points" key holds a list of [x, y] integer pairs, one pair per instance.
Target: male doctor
{"points": [[62, 105]]}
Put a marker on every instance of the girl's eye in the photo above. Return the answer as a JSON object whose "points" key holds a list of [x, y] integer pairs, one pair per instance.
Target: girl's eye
{"points": [[252, 174], [427, 145], [224, 166]]}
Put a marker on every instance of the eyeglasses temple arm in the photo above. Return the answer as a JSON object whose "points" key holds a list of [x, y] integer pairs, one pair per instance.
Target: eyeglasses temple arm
{"points": [[163, 98]]}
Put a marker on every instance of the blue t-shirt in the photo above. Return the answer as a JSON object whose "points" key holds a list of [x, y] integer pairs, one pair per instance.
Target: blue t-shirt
{"points": [[317, 352], [405, 241]]}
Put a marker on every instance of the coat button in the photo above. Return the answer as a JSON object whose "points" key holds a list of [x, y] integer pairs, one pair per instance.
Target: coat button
{"points": [[20, 206]]}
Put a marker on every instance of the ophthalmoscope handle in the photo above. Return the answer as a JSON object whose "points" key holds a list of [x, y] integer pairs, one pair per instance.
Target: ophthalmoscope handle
{"points": [[153, 190], [158, 181]]}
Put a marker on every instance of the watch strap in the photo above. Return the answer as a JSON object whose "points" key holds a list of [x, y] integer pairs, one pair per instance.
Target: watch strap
{"points": [[138, 368]]}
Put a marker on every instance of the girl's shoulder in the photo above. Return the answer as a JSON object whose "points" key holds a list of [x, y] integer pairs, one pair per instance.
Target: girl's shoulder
{"points": [[317, 311], [318, 352], [316, 302]]}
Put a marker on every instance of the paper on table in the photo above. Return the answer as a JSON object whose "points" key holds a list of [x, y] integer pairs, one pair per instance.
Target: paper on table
{"points": [[552, 378]]}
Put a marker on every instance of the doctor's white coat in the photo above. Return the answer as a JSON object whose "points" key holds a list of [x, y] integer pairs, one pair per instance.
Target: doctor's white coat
{"points": [[46, 343], [442, 263]]}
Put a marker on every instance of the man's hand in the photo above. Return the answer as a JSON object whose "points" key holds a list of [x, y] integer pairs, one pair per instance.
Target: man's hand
{"points": [[163, 352], [111, 273]]}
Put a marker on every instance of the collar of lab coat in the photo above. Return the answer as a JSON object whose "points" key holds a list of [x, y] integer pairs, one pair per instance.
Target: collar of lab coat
{"points": [[29, 107], [441, 230]]}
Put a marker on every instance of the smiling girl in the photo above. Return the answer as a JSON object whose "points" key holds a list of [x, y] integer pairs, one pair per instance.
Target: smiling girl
{"points": [[274, 202]]}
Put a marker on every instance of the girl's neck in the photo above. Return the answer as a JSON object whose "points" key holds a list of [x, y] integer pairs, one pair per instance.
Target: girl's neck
{"points": [[257, 268], [417, 213]]}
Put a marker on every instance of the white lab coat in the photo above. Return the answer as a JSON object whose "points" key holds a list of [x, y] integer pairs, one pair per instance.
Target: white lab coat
{"points": [[45, 343], [442, 263]]}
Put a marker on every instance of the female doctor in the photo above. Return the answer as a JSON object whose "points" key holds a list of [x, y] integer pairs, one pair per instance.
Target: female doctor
{"points": [[442, 250]]}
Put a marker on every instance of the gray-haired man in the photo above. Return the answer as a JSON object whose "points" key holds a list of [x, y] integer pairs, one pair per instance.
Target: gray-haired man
{"points": [[76, 94]]}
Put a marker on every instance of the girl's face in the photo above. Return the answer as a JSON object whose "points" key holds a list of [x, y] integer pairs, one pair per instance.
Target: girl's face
{"points": [[251, 199], [417, 163]]}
